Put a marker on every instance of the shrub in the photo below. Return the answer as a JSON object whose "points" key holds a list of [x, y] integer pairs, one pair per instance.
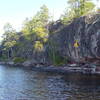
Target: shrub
{"points": [[59, 60], [56, 58], [3, 58], [19, 60]]}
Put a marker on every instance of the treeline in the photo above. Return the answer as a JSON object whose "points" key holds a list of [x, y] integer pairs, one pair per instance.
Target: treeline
{"points": [[34, 40]]}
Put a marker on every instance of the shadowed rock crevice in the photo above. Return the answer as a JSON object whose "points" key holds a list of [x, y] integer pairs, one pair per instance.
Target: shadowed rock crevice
{"points": [[86, 31]]}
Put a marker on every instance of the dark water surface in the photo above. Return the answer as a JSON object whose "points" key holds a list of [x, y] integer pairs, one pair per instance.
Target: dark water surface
{"points": [[18, 83]]}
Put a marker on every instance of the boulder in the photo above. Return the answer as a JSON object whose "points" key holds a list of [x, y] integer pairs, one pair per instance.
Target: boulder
{"points": [[10, 63], [29, 63]]}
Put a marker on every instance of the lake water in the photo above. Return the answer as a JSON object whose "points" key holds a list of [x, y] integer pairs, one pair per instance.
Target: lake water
{"points": [[17, 83]]}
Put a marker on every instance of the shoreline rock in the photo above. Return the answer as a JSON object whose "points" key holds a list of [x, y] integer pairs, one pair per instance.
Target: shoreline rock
{"points": [[70, 68]]}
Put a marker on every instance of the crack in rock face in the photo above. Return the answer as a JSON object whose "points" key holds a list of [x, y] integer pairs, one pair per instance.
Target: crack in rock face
{"points": [[85, 30]]}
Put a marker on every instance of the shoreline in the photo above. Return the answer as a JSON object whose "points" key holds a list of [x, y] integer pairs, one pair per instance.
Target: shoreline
{"points": [[58, 69]]}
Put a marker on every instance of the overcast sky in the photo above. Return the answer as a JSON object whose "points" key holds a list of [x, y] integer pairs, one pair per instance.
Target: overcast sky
{"points": [[15, 11]]}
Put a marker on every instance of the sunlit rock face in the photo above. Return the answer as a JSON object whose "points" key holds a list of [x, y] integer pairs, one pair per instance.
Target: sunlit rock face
{"points": [[85, 31]]}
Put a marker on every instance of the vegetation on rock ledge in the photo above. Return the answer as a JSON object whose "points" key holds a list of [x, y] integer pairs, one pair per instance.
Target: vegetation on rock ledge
{"points": [[36, 41]]}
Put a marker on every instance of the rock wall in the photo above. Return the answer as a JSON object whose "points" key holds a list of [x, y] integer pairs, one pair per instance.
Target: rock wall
{"points": [[85, 31]]}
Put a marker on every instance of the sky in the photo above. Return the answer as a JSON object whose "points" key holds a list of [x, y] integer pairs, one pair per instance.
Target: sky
{"points": [[16, 11]]}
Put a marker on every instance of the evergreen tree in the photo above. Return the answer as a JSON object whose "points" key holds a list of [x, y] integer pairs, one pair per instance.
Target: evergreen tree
{"points": [[9, 39], [77, 8]]}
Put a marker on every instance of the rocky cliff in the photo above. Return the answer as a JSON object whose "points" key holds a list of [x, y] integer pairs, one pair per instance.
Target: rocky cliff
{"points": [[79, 39], [75, 41]]}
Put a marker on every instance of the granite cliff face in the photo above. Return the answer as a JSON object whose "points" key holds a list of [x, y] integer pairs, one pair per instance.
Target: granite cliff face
{"points": [[75, 41], [83, 31]]}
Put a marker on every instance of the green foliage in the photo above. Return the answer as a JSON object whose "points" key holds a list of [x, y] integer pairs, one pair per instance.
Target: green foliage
{"points": [[18, 60], [58, 60], [9, 44], [88, 7], [43, 15], [38, 46], [32, 38], [98, 10], [9, 37], [76, 9], [35, 30], [3, 58], [54, 55], [40, 20], [34, 34]]}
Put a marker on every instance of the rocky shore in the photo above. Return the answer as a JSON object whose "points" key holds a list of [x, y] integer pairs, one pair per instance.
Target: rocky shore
{"points": [[77, 45], [87, 68]]}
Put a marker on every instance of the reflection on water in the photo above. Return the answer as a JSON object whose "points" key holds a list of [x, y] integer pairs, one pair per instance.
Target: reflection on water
{"points": [[23, 84]]}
